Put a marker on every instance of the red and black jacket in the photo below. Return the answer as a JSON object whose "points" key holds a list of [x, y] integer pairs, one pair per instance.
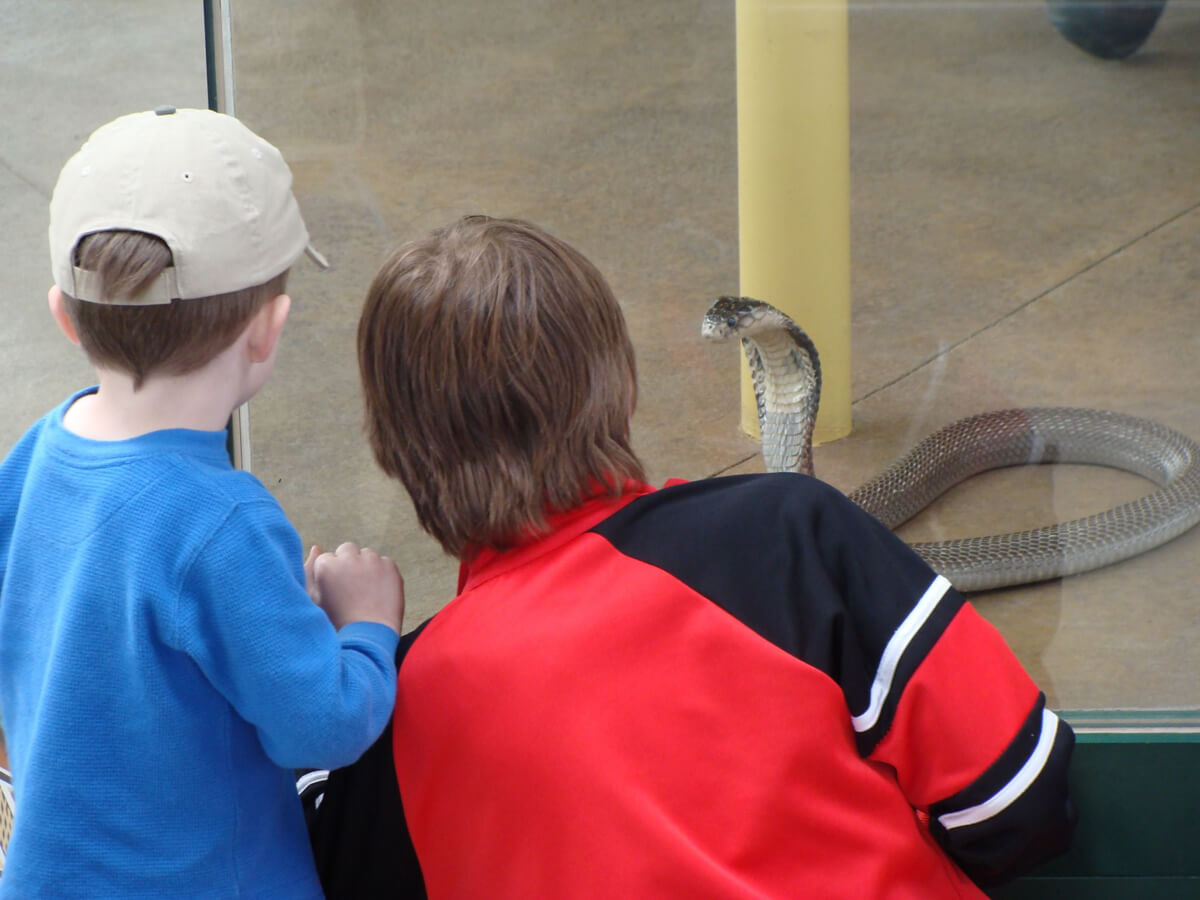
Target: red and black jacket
{"points": [[738, 687]]}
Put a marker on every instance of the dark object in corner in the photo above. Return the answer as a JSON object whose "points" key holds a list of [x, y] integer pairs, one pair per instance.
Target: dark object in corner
{"points": [[1109, 29]]}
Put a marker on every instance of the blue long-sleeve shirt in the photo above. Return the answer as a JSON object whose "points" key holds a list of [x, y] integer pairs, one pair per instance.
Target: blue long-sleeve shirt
{"points": [[162, 668]]}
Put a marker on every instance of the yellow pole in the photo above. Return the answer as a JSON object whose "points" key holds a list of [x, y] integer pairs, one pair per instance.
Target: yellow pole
{"points": [[794, 182]]}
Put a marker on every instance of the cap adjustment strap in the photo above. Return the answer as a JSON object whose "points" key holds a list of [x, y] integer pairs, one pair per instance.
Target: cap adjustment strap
{"points": [[161, 291]]}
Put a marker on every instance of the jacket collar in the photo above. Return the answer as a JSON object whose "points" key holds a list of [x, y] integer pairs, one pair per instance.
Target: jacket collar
{"points": [[561, 528]]}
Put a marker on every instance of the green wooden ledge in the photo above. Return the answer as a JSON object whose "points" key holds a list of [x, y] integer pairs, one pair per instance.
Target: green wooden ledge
{"points": [[1135, 779]]}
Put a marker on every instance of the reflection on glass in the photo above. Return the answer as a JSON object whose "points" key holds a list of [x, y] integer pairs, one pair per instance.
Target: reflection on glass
{"points": [[1024, 218]]}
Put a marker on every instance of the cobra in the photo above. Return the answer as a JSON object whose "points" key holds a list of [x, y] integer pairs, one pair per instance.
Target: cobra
{"points": [[786, 373]]}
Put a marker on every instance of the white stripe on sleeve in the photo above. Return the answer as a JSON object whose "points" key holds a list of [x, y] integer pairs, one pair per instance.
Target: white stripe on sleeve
{"points": [[1016, 786], [894, 650]]}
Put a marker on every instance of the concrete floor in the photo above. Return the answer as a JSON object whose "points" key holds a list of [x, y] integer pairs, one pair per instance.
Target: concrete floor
{"points": [[1025, 226]]}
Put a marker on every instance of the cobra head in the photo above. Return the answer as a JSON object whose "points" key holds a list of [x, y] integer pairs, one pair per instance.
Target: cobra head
{"points": [[786, 375], [730, 317]]}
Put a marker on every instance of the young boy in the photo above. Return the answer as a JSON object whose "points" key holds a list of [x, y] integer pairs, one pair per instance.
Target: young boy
{"points": [[737, 687], [162, 666]]}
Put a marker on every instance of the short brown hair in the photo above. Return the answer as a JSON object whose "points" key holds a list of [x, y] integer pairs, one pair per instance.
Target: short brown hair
{"points": [[174, 338], [499, 380]]}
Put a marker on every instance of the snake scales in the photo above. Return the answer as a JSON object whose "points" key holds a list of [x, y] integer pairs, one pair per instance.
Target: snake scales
{"points": [[787, 384]]}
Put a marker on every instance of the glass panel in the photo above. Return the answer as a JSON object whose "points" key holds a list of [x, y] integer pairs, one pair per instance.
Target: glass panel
{"points": [[1025, 222], [613, 127], [67, 69], [1024, 218]]}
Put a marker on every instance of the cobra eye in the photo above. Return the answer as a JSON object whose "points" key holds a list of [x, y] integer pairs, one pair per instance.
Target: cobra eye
{"points": [[731, 321]]}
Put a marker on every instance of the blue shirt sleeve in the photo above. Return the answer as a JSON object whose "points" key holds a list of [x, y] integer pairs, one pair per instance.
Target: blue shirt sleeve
{"points": [[316, 697]]}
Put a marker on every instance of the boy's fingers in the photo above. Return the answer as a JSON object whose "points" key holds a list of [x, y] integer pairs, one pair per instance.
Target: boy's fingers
{"points": [[310, 572], [349, 553]]}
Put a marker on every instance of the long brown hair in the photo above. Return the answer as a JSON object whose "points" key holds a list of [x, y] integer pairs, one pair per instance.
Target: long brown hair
{"points": [[499, 380]]}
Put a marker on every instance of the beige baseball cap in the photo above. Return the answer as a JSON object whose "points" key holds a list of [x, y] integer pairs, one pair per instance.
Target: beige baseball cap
{"points": [[216, 193]]}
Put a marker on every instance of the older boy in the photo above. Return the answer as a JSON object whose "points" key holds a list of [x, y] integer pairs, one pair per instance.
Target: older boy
{"points": [[162, 665], [738, 687]]}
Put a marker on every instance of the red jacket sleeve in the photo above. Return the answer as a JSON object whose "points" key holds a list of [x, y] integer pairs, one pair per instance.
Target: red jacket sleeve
{"points": [[973, 744]]}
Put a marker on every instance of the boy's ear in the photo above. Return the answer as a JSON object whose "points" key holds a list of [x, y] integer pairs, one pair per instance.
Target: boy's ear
{"points": [[266, 327], [59, 310]]}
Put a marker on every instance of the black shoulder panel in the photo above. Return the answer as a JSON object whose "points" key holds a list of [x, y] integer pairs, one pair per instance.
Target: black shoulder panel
{"points": [[794, 560]]}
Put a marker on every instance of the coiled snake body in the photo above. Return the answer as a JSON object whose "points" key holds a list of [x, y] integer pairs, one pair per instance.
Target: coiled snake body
{"points": [[787, 384]]}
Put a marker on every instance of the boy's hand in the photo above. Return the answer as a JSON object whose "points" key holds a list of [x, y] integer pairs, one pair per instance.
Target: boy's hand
{"points": [[354, 585]]}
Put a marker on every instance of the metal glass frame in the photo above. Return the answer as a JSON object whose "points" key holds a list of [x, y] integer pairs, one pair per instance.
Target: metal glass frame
{"points": [[218, 56]]}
